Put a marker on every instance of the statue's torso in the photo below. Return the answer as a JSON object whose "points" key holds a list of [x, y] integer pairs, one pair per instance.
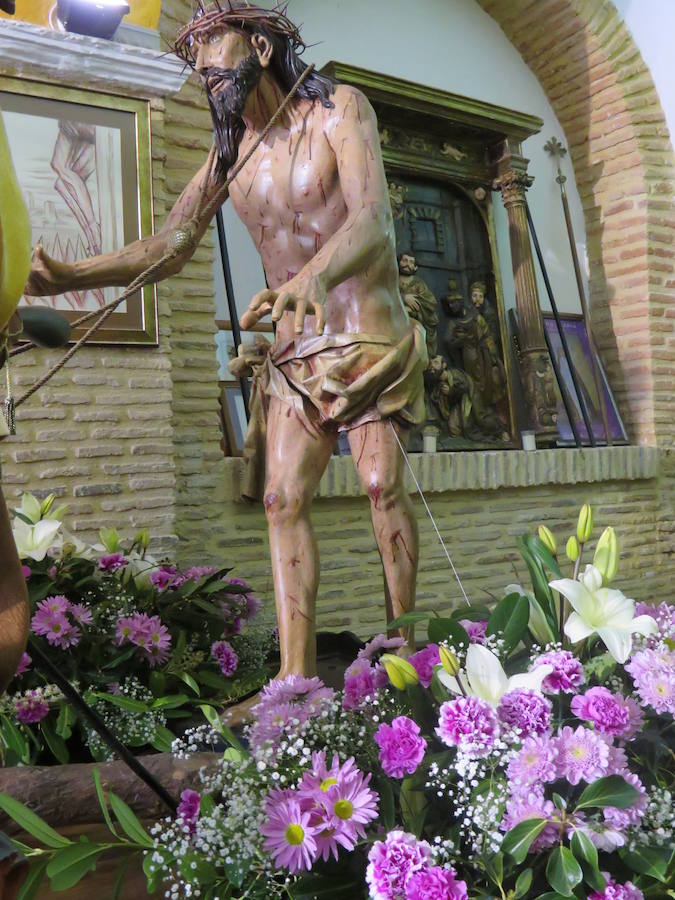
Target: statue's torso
{"points": [[289, 197]]}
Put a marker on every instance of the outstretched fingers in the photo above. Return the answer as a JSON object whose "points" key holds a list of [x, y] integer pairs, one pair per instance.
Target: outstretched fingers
{"points": [[260, 306]]}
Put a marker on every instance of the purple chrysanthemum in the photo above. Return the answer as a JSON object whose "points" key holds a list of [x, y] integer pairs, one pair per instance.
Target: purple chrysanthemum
{"points": [[567, 674], [194, 573], [378, 643], [51, 621], [289, 835], [24, 665], [226, 657], [188, 809], [284, 701], [609, 713], [146, 632], [112, 562], [525, 712], [401, 747], [469, 724], [653, 672], [424, 661], [663, 615], [392, 862], [582, 755], [531, 805], [632, 815], [475, 630], [534, 763], [31, 708], [616, 891], [435, 883], [26, 571], [81, 613]]}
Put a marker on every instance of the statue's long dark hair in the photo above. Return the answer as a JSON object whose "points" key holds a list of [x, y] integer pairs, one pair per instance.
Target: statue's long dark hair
{"points": [[286, 65]]}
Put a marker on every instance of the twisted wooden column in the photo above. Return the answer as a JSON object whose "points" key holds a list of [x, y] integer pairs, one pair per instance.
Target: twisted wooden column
{"points": [[536, 370]]}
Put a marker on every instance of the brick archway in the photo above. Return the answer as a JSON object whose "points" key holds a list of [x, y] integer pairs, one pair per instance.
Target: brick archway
{"points": [[604, 97]]}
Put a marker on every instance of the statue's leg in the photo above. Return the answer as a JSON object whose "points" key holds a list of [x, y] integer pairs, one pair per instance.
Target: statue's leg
{"points": [[14, 609], [295, 460], [380, 465]]}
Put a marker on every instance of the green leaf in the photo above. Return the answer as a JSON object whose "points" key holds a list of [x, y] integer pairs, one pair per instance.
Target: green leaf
{"points": [[163, 739], [103, 802], [541, 552], [518, 840], [651, 861], [71, 864], [563, 871], [541, 590], [326, 887], [171, 701], [189, 680], [195, 867], [35, 877], [414, 806], [157, 683], [409, 618], [237, 871], [14, 740], [510, 619], [523, 883], [613, 790], [387, 805], [494, 867], [55, 743], [218, 725], [123, 702], [447, 630], [119, 880], [127, 819], [65, 721], [472, 613], [600, 667], [31, 823], [586, 853]]}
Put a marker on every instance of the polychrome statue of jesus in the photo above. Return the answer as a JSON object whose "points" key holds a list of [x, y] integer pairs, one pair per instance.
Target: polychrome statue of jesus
{"points": [[346, 357]]}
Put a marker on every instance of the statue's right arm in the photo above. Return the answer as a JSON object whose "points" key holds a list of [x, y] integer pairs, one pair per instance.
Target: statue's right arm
{"points": [[50, 276]]}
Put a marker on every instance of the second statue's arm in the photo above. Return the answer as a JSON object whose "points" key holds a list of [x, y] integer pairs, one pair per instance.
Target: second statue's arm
{"points": [[50, 276], [366, 233]]}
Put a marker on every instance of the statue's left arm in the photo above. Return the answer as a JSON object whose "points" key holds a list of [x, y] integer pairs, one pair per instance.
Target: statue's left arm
{"points": [[366, 233]]}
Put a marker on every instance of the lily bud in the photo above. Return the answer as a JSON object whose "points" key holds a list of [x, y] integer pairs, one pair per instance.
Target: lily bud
{"points": [[585, 523], [142, 538], [606, 558], [110, 539], [59, 512], [546, 537], [400, 672], [572, 549], [449, 661], [47, 504]]}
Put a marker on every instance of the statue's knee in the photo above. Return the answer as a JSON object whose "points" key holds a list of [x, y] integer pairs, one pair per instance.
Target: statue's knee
{"points": [[384, 493], [285, 504]]}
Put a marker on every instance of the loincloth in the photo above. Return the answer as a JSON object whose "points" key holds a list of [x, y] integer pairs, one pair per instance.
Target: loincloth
{"points": [[337, 382]]}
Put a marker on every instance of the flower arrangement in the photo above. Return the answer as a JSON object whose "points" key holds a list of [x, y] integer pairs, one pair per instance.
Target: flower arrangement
{"points": [[525, 752], [145, 642]]}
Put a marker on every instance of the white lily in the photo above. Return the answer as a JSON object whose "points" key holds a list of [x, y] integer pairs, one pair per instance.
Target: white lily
{"points": [[140, 568], [603, 611], [30, 507], [487, 679], [33, 541]]}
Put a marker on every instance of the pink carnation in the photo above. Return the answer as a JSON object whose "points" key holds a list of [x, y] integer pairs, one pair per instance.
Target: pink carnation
{"points": [[609, 713], [435, 883], [567, 674], [392, 862], [469, 724], [112, 562], [188, 809], [401, 748], [616, 891], [424, 661], [475, 630], [525, 712], [227, 659], [359, 683], [31, 708]]}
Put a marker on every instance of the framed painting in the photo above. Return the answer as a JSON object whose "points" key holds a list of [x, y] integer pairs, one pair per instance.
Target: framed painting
{"points": [[575, 332], [83, 162]]}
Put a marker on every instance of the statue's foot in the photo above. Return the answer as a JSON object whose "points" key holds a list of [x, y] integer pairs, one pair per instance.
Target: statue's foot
{"points": [[240, 713]]}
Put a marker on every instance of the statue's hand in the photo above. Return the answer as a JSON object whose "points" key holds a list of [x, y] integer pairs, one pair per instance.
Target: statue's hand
{"points": [[303, 295], [47, 276]]}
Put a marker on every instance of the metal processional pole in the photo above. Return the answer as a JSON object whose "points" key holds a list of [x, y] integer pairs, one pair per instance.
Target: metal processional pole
{"points": [[232, 306]]}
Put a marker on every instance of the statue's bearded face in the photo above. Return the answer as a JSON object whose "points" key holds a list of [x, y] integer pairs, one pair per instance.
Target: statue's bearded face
{"points": [[229, 69], [407, 264]]}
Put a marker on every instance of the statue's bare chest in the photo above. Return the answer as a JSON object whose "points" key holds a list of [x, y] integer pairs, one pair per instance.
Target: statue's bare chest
{"points": [[288, 194]]}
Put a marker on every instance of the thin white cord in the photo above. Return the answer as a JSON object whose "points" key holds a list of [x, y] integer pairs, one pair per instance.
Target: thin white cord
{"points": [[426, 506]]}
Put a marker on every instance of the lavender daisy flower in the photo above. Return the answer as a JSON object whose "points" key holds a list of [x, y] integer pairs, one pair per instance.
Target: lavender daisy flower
{"points": [[525, 712], [534, 763], [31, 708], [342, 810], [401, 748], [567, 674], [435, 883], [663, 615], [653, 672], [81, 613], [289, 836], [470, 724], [581, 754], [227, 659], [24, 665], [392, 862], [531, 805], [380, 642]]}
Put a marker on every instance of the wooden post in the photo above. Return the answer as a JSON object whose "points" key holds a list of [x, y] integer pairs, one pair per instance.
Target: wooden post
{"points": [[513, 181]]}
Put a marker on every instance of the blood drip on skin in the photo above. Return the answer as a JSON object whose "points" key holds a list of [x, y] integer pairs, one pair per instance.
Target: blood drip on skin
{"points": [[323, 193]]}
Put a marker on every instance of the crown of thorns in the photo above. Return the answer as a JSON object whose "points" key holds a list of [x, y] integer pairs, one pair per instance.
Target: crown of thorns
{"points": [[239, 17]]}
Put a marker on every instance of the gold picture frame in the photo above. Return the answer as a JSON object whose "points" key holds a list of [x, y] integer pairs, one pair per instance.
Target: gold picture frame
{"points": [[84, 164]]}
